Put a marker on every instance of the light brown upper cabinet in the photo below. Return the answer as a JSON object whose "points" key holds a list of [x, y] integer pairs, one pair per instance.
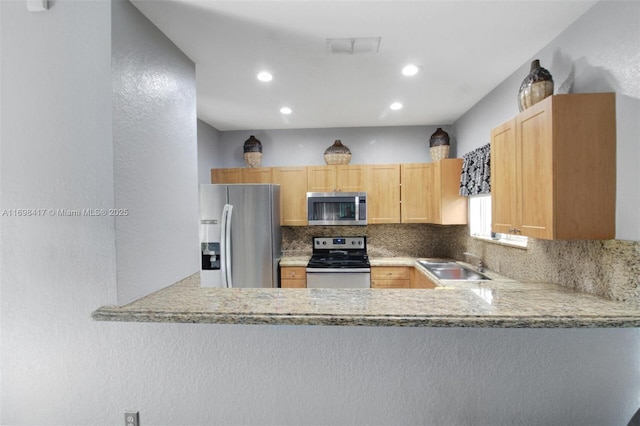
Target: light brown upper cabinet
{"points": [[396, 193], [382, 185], [233, 175], [448, 206], [293, 194], [336, 178], [553, 169], [293, 187], [503, 178], [416, 192], [430, 193], [257, 175], [242, 175]]}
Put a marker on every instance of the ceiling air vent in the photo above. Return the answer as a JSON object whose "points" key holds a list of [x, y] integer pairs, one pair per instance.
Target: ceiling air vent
{"points": [[353, 46]]}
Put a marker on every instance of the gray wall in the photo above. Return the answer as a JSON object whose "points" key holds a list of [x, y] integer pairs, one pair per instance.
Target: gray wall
{"points": [[368, 145], [59, 367], [208, 151], [155, 152], [57, 153]]}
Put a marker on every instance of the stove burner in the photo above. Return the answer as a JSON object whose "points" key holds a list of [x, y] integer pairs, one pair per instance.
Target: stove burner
{"points": [[339, 253], [341, 262]]}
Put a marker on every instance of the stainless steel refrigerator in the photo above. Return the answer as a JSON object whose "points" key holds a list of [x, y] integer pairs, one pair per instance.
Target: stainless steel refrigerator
{"points": [[240, 235]]}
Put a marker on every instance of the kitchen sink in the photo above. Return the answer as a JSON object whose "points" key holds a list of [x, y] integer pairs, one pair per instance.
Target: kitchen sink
{"points": [[438, 264], [450, 270]]}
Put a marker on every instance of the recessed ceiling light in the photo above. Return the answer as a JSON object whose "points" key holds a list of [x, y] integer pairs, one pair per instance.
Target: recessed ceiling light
{"points": [[395, 106], [285, 110], [410, 70], [265, 76]]}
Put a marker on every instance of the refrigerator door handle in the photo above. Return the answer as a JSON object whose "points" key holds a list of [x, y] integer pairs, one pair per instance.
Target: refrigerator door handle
{"points": [[226, 225], [223, 245]]}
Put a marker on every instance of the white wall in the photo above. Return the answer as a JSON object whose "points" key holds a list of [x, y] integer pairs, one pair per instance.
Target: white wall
{"points": [[58, 367], [599, 53], [155, 149]]}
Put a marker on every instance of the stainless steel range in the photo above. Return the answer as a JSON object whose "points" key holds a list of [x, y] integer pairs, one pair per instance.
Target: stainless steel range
{"points": [[339, 262]]}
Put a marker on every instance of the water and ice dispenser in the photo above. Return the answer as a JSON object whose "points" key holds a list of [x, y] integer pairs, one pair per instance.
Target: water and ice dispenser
{"points": [[210, 256], [210, 253]]}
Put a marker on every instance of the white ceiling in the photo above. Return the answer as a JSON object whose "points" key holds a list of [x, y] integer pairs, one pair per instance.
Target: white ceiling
{"points": [[465, 49]]}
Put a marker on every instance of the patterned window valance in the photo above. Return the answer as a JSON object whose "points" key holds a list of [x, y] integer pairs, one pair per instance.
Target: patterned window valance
{"points": [[476, 172]]}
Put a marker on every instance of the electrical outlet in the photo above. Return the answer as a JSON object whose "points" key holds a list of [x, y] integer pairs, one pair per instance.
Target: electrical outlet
{"points": [[131, 418]]}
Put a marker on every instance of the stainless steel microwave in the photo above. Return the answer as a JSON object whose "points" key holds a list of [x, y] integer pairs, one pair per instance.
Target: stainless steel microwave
{"points": [[337, 208]]}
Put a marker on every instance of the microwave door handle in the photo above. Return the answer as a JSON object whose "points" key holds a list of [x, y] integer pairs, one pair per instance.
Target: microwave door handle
{"points": [[356, 207], [227, 226]]}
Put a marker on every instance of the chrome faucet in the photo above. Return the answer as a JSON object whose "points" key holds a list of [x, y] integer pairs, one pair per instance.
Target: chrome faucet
{"points": [[480, 265]]}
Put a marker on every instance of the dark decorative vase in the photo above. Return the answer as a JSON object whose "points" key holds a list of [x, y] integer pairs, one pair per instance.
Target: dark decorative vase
{"points": [[252, 152], [535, 87], [439, 145], [337, 154]]}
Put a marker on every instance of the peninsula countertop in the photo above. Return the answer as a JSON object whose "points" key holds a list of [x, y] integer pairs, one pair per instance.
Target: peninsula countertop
{"points": [[499, 303]]}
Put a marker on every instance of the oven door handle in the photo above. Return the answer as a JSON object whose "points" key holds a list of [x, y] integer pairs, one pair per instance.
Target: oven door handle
{"points": [[341, 270]]}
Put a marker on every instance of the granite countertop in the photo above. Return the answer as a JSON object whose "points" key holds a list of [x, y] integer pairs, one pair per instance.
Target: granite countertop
{"points": [[500, 303]]}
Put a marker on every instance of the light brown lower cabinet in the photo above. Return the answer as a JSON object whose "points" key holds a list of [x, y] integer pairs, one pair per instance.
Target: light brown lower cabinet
{"points": [[293, 277], [420, 280], [381, 277], [391, 277]]}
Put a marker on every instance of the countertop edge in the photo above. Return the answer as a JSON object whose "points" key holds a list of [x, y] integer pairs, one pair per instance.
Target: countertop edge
{"points": [[113, 314]]}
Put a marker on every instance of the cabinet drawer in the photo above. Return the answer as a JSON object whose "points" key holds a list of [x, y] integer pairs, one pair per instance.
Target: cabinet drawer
{"points": [[293, 273], [391, 272]]}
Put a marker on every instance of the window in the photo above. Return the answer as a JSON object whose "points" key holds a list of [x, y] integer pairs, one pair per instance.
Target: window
{"points": [[480, 222], [480, 215]]}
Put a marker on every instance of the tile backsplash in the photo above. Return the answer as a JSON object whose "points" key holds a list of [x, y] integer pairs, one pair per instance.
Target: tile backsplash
{"points": [[609, 268], [392, 240]]}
